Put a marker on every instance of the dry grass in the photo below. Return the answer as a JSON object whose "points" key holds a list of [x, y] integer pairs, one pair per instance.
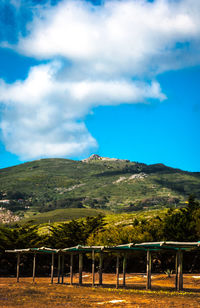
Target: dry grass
{"points": [[43, 294]]}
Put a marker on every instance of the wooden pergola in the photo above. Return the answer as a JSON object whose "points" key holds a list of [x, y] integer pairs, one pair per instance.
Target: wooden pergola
{"points": [[34, 251], [120, 250], [178, 248]]}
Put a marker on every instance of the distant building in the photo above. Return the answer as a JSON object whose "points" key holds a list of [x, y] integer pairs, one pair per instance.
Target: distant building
{"points": [[5, 201]]}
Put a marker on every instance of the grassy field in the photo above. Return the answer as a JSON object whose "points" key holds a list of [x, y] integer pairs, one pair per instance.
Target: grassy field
{"points": [[43, 294], [128, 218], [60, 215], [65, 215]]}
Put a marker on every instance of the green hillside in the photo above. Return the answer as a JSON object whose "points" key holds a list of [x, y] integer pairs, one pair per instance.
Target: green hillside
{"points": [[98, 183], [60, 215]]}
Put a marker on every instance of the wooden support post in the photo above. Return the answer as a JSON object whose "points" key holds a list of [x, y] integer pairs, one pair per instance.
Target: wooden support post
{"points": [[34, 263], [148, 270], [80, 267], [58, 268], [71, 269], [124, 270], [176, 271], [180, 271], [93, 268], [62, 267], [18, 262], [100, 268], [52, 267], [117, 272]]}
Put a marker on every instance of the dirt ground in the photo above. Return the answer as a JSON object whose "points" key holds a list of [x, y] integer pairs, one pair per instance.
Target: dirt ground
{"points": [[43, 294]]}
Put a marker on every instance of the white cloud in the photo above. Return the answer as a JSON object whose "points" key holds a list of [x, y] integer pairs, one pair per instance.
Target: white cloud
{"points": [[105, 53], [43, 116], [118, 37]]}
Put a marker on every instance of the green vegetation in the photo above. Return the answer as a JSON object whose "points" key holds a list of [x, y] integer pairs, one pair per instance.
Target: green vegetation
{"points": [[116, 185], [60, 215], [174, 225], [126, 219], [63, 203]]}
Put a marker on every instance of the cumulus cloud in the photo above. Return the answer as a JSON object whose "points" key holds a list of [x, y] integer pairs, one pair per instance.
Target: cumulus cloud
{"points": [[42, 115], [98, 55], [130, 36]]}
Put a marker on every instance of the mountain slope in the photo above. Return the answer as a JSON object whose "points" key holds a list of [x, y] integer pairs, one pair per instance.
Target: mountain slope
{"points": [[97, 182]]}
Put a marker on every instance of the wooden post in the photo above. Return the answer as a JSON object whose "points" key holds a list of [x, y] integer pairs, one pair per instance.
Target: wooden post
{"points": [[80, 267], [117, 272], [71, 269], [148, 270], [93, 268], [52, 267], [62, 267], [34, 261], [100, 268], [58, 268], [180, 271], [124, 270], [18, 262], [176, 271]]}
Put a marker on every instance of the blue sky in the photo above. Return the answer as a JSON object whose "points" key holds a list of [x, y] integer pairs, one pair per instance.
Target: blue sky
{"points": [[82, 77]]}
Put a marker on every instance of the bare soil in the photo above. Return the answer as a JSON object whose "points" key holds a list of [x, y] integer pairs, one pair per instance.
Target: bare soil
{"points": [[43, 294]]}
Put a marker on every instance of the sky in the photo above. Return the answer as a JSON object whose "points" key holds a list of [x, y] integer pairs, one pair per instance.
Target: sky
{"points": [[116, 78]]}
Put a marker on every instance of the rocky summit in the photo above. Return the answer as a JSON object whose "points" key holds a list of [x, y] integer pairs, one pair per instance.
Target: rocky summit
{"points": [[96, 157]]}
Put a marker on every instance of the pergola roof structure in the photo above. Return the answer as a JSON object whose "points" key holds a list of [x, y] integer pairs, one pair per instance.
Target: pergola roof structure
{"points": [[80, 248], [124, 247], [120, 250], [33, 250], [170, 245]]}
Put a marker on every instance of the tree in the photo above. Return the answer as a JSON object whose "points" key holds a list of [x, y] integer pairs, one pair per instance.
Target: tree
{"points": [[75, 232], [182, 225]]}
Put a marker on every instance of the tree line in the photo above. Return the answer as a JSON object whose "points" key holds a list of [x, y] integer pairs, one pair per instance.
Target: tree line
{"points": [[177, 225]]}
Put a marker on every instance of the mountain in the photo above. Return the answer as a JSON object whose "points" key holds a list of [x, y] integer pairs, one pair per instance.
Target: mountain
{"points": [[96, 182]]}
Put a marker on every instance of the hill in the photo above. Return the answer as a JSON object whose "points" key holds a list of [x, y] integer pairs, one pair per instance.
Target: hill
{"points": [[97, 182]]}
